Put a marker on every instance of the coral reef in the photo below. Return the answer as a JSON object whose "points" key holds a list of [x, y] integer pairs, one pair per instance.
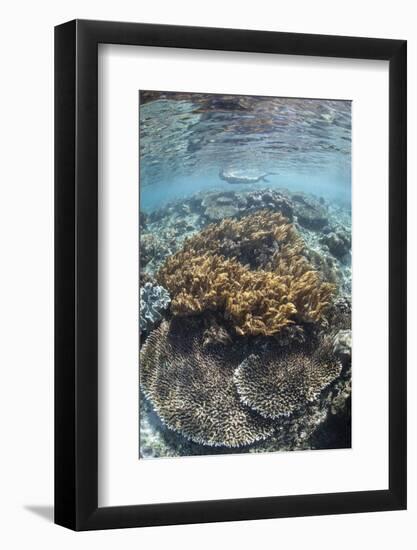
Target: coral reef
{"points": [[342, 344], [143, 220], [245, 286], [339, 314], [280, 383], [326, 264], [153, 250], [163, 238], [164, 230], [253, 239], [191, 387], [269, 199], [312, 426], [338, 243], [218, 206], [145, 277], [213, 397], [255, 287], [310, 212], [219, 270], [214, 333], [335, 268], [153, 301]]}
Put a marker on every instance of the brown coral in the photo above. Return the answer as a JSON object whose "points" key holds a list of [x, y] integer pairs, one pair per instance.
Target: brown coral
{"points": [[247, 240], [277, 385], [218, 271], [191, 387]]}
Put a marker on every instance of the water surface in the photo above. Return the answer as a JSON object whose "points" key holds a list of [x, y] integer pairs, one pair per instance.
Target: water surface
{"points": [[187, 139]]}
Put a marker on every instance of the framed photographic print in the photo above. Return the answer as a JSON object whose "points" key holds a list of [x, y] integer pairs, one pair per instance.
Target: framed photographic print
{"points": [[230, 275]]}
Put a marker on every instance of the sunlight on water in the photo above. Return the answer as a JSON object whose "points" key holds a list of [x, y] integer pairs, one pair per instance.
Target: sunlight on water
{"points": [[187, 141]]}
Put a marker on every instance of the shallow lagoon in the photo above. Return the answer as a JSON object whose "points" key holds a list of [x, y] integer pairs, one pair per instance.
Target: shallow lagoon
{"points": [[303, 148]]}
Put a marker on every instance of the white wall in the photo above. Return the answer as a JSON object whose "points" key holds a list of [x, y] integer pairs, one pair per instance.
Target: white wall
{"points": [[26, 302]]}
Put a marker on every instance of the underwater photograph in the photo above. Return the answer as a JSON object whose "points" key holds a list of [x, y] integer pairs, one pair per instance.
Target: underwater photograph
{"points": [[244, 274]]}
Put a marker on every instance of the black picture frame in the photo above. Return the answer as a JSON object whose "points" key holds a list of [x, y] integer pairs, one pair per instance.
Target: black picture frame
{"points": [[76, 272]]}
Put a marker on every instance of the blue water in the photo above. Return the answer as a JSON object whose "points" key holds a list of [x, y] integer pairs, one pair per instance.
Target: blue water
{"points": [[187, 139]]}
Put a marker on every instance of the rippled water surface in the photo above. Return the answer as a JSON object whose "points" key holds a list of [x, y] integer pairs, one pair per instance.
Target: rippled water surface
{"points": [[187, 139]]}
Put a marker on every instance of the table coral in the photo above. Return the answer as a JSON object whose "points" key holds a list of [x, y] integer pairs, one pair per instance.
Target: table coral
{"points": [[279, 384], [191, 387]]}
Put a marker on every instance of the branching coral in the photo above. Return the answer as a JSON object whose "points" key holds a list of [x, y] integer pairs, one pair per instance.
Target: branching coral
{"points": [[279, 384], [248, 240], [191, 387], [218, 270]]}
